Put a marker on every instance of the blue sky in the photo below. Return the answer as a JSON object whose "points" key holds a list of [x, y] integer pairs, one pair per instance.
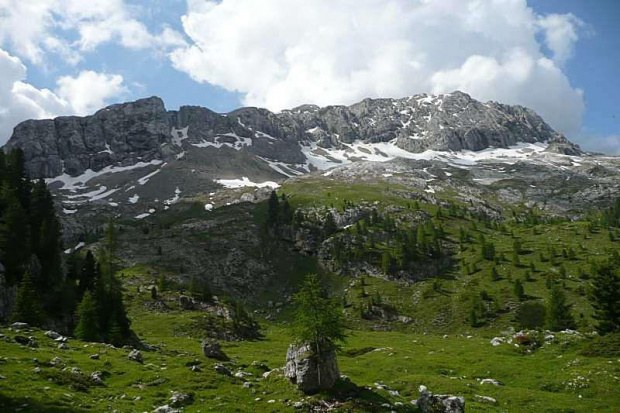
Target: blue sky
{"points": [[280, 53]]}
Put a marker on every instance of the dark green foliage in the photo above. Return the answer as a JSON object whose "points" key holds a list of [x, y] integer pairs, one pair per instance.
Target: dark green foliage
{"points": [[518, 290], [199, 289], [494, 274], [27, 307], [531, 315], [605, 298], [319, 321], [559, 315], [329, 226], [487, 251], [273, 211], [87, 328]]}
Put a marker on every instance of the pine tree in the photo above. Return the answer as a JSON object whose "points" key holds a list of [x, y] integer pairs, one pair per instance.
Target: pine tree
{"points": [[87, 328], [14, 239], [494, 274], [559, 315], [28, 307], [88, 274], [386, 262], [319, 320], [605, 298], [200, 290]]}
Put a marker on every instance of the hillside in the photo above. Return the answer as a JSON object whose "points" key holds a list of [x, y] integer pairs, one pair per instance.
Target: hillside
{"points": [[444, 249]]}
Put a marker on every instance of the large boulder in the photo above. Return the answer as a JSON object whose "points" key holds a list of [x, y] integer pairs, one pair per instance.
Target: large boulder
{"points": [[309, 371], [440, 403]]}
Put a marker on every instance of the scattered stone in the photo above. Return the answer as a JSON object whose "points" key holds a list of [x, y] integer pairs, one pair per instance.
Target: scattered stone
{"points": [[486, 399], [242, 374], [496, 341], [63, 346], [220, 368], [211, 348], [135, 355], [491, 381], [37, 370], [298, 405], [311, 372], [439, 403], [247, 385], [274, 371], [94, 356], [20, 326], [52, 334], [180, 399], [96, 378], [271, 401], [195, 368], [166, 409], [56, 361]]}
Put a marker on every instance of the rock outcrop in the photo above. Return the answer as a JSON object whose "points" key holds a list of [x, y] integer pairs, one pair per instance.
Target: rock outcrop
{"points": [[211, 349], [439, 403], [143, 131], [311, 372]]}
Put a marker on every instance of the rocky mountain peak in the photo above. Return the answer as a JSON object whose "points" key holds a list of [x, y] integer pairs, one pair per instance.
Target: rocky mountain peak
{"points": [[144, 131]]}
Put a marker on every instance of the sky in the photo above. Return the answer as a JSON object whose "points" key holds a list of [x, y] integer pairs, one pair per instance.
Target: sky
{"points": [[558, 57]]}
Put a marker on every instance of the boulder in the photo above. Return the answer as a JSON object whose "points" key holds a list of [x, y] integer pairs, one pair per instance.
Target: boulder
{"points": [[221, 369], [309, 371], [20, 326], [440, 403], [186, 302], [96, 378], [135, 355], [180, 399], [211, 348]]}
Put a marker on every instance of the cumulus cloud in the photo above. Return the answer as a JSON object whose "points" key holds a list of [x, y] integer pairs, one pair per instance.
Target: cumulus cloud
{"points": [[89, 90], [74, 95], [33, 28], [282, 53]]}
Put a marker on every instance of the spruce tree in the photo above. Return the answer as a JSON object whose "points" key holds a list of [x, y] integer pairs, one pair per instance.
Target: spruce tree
{"points": [[87, 328], [329, 226], [14, 239], [518, 290], [559, 315], [605, 298], [28, 308]]}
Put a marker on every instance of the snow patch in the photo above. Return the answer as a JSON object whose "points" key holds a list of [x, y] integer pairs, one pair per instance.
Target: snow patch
{"points": [[245, 182]]}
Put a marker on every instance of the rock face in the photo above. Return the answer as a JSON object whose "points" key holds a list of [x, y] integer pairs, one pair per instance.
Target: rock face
{"points": [[143, 131], [440, 403], [310, 372]]}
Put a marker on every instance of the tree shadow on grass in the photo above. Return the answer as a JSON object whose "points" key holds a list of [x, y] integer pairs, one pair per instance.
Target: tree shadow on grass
{"points": [[357, 398], [22, 404]]}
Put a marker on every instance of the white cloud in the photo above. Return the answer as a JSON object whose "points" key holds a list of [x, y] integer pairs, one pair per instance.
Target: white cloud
{"points": [[74, 95], [89, 91], [33, 27], [281, 53], [561, 33]]}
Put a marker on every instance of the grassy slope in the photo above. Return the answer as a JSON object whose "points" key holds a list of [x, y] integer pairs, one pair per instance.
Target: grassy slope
{"points": [[553, 378]]}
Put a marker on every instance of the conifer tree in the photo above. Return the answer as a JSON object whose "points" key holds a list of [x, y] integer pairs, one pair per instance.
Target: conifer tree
{"points": [[605, 298], [559, 315], [87, 328], [319, 320], [28, 308], [518, 289], [14, 239], [273, 209]]}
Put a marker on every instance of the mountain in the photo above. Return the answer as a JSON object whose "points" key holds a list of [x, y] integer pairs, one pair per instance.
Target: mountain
{"points": [[468, 246], [137, 158]]}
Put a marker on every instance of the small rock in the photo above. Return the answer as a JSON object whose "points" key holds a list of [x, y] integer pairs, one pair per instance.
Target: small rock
{"points": [[298, 405], [21, 340], [37, 370], [95, 377], [94, 356], [220, 368], [439, 403], [52, 334], [211, 348], [491, 381], [195, 368], [486, 399], [247, 385], [271, 401], [180, 399], [20, 326], [242, 374], [56, 361], [63, 346], [165, 409], [135, 355]]}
